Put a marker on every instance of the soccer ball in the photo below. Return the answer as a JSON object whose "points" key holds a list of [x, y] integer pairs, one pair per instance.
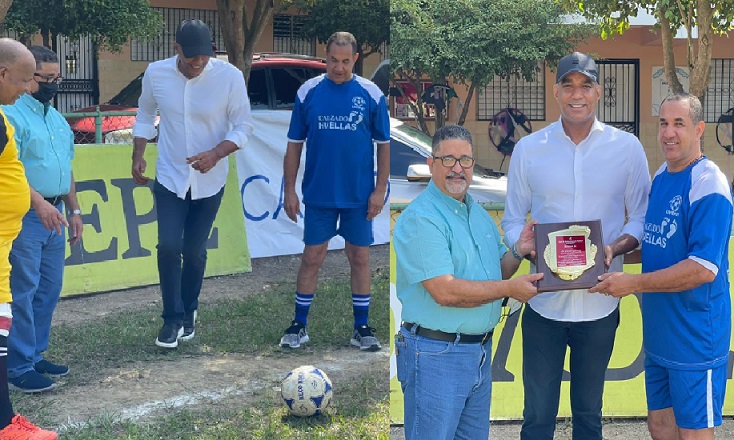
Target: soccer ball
{"points": [[306, 391]]}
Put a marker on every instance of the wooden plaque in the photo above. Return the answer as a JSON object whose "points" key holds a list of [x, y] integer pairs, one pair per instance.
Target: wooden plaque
{"points": [[568, 246]]}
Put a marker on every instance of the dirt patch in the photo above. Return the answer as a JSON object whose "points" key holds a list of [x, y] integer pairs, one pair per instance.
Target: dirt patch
{"points": [[143, 389]]}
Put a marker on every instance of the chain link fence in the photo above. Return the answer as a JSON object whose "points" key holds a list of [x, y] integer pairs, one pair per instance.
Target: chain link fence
{"points": [[102, 127]]}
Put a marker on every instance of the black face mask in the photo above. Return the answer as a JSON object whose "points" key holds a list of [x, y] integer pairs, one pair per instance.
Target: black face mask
{"points": [[46, 92]]}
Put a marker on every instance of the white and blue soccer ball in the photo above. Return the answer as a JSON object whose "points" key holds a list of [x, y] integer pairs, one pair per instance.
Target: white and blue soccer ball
{"points": [[306, 391]]}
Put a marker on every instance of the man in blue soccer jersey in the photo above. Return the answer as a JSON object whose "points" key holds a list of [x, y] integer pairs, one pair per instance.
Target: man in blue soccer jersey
{"points": [[341, 115], [686, 309]]}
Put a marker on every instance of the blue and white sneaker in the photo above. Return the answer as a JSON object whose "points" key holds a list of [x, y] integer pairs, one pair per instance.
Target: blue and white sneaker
{"points": [[364, 339], [294, 336]]}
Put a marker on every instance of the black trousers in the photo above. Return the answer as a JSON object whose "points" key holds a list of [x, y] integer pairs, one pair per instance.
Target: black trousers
{"points": [[544, 351]]}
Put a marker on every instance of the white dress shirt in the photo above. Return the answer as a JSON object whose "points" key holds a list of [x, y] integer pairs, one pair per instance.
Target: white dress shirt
{"points": [[196, 115], [604, 177]]}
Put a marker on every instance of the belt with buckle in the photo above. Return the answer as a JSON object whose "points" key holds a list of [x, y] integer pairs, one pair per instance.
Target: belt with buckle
{"points": [[55, 200], [463, 338]]}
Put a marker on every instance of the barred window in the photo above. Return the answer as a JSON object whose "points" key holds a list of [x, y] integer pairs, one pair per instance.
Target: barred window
{"points": [[720, 92], [287, 35], [161, 47], [514, 92]]}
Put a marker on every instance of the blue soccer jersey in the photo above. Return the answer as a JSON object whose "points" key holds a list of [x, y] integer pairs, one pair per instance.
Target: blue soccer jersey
{"points": [[689, 217], [339, 123]]}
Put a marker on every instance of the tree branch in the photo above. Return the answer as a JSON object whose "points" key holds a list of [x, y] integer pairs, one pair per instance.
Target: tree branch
{"points": [[666, 34], [465, 110]]}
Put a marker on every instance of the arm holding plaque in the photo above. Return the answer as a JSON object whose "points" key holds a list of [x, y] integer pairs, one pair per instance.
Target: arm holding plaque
{"points": [[524, 246], [683, 275], [622, 245], [450, 291]]}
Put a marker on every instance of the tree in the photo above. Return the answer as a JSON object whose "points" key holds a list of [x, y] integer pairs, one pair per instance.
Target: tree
{"points": [[471, 41], [109, 23], [367, 20], [710, 16], [241, 28], [4, 6]]}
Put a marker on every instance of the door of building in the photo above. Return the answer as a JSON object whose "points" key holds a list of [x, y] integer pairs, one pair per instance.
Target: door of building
{"points": [[619, 105], [78, 60]]}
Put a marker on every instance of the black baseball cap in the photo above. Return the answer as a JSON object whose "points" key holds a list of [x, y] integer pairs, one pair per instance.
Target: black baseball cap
{"points": [[195, 38], [577, 62]]}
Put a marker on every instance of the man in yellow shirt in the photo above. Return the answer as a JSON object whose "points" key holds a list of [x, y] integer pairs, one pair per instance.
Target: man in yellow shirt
{"points": [[17, 67]]}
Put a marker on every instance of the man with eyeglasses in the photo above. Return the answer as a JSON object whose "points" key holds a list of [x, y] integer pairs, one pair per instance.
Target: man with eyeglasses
{"points": [[46, 148], [573, 170], [452, 274]]}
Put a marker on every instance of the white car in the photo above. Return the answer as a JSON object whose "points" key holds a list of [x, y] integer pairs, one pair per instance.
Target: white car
{"points": [[409, 172]]}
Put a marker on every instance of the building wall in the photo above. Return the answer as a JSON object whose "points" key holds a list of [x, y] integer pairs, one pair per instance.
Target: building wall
{"points": [[116, 70], [637, 43]]}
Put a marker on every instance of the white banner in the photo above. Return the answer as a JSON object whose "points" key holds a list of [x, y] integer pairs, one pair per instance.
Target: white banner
{"points": [[260, 170]]}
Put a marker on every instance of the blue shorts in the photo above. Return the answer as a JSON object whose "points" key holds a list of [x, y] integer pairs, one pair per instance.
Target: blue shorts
{"points": [[697, 396], [320, 225]]}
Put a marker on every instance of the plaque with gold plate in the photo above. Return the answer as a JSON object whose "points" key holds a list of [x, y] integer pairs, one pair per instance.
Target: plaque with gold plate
{"points": [[570, 254]]}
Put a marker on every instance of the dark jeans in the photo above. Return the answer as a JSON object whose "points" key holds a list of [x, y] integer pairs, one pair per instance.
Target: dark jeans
{"points": [[544, 350], [183, 230]]}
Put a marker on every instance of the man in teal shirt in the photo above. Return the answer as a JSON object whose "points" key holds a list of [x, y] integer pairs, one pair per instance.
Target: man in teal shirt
{"points": [[452, 274], [46, 148]]}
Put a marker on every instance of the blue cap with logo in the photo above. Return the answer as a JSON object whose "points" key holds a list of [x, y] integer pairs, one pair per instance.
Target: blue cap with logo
{"points": [[577, 62], [195, 38]]}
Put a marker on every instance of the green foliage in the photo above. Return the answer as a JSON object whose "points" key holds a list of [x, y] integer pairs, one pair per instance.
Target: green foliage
{"points": [[367, 20], [110, 23], [471, 41], [613, 16]]}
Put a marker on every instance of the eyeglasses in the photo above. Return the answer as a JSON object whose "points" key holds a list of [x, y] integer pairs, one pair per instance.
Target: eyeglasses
{"points": [[450, 161], [47, 79]]}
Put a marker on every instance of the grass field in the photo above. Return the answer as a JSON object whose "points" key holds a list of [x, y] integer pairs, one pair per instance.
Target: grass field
{"points": [[247, 327]]}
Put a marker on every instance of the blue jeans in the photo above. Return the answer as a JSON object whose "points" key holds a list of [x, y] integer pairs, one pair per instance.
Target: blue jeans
{"points": [[183, 230], [446, 387], [37, 261], [544, 350]]}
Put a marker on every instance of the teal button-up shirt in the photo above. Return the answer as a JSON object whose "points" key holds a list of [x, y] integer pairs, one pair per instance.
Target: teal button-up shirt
{"points": [[438, 235], [45, 145]]}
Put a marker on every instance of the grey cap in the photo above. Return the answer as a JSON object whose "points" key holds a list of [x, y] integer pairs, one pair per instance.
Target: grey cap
{"points": [[195, 38], [577, 62]]}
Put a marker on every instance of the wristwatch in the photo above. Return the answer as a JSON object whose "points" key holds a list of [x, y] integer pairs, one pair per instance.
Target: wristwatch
{"points": [[75, 212], [516, 254]]}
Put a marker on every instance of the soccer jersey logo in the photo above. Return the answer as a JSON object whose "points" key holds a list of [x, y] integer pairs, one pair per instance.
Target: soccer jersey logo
{"points": [[358, 103], [672, 227], [355, 118], [675, 203]]}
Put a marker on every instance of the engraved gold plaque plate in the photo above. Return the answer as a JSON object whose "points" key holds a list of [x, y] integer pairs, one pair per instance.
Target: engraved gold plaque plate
{"points": [[572, 255]]}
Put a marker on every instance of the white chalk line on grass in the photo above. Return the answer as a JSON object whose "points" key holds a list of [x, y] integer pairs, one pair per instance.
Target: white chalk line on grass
{"points": [[145, 409]]}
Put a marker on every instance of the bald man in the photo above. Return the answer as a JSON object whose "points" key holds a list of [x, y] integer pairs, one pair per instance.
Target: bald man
{"points": [[17, 67]]}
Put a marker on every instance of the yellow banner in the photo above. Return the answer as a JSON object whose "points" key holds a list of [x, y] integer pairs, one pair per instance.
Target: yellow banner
{"points": [[624, 389], [118, 247]]}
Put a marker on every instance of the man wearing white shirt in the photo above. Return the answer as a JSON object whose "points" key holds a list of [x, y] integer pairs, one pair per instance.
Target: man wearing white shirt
{"points": [[573, 170], [204, 116]]}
